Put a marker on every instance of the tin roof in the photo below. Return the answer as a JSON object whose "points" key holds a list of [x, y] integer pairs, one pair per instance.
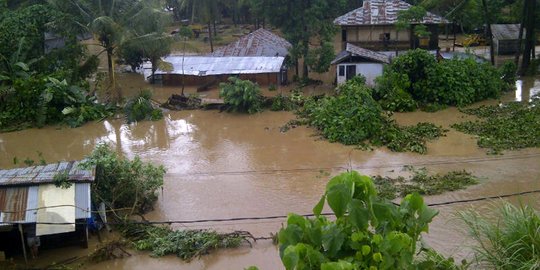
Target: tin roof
{"points": [[506, 31], [352, 50], [258, 43], [45, 174], [382, 12], [212, 65]]}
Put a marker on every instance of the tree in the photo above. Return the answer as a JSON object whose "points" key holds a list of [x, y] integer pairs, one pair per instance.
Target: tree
{"points": [[112, 22], [307, 25], [185, 33], [530, 37]]}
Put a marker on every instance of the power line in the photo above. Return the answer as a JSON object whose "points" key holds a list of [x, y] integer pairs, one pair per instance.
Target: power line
{"points": [[297, 170], [280, 216]]}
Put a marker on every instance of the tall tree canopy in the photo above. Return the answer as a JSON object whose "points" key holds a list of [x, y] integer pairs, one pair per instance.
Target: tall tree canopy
{"points": [[308, 25]]}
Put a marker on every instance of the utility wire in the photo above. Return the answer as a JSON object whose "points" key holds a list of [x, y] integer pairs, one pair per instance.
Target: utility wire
{"points": [[276, 216]]}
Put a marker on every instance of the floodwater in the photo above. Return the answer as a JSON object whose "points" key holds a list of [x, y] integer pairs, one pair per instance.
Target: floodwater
{"points": [[222, 165]]}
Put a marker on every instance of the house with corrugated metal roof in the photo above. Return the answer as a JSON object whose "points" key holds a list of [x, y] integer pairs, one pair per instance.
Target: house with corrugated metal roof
{"points": [[31, 205], [373, 26], [355, 61], [259, 56], [506, 38]]}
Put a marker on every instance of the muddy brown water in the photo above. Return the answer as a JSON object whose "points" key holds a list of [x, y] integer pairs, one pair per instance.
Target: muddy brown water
{"points": [[222, 165]]}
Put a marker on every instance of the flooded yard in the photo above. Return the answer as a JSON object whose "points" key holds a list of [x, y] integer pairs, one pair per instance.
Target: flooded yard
{"points": [[222, 166]]}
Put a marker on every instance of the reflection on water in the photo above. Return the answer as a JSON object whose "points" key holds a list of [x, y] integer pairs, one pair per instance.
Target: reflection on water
{"points": [[526, 88], [222, 165]]}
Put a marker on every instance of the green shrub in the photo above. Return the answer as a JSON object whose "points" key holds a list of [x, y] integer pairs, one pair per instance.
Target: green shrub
{"points": [[508, 72], [351, 117], [124, 183], [367, 233], [416, 79], [282, 103], [512, 241], [140, 108], [241, 95]]}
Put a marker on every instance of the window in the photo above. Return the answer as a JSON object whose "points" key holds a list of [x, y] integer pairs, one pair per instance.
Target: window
{"points": [[343, 34], [341, 71]]}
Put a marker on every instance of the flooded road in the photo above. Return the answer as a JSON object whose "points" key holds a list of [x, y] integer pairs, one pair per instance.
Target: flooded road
{"points": [[222, 165]]}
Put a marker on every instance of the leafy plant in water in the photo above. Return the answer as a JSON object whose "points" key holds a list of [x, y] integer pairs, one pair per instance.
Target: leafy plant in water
{"points": [[510, 126], [140, 108], [512, 241], [368, 232], [282, 103], [241, 95], [123, 183], [186, 244], [422, 182]]}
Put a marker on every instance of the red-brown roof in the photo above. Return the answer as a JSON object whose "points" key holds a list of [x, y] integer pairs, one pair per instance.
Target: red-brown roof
{"points": [[381, 12], [258, 43]]}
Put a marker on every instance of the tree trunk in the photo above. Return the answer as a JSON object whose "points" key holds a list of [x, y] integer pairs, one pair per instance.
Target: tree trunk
{"points": [[520, 35], [490, 36], [215, 29], [183, 75], [529, 38], [112, 80], [210, 36], [192, 13]]}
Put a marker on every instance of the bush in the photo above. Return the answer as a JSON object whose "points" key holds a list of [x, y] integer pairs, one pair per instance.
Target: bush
{"points": [[123, 183], [353, 117], [508, 72], [416, 79], [140, 108], [241, 95], [282, 103], [511, 242], [367, 233]]}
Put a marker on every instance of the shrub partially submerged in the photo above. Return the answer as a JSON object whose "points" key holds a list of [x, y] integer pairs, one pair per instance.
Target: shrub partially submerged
{"points": [[241, 95], [353, 117], [416, 79], [514, 125], [186, 244], [123, 183], [140, 108]]}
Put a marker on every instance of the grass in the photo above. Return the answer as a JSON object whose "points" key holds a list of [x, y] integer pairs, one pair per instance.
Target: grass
{"points": [[512, 126], [511, 242], [186, 244], [422, 182]]}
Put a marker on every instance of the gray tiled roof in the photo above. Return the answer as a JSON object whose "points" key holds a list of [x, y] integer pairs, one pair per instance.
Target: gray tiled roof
{"points": [[258, 43], [381, 12], [352, 50], [506, 31]]}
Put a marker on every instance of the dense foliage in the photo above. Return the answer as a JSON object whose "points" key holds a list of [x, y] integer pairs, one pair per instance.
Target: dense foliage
{"points": [[140, 108], [367, 233], [241, 95], [417, 79], [353, 117], [123, 183], [422, 182], [511, 242], [186, 244], [511, 126]]}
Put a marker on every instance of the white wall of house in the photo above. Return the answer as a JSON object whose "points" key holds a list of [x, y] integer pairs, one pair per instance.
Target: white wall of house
{"points": [[368, 70]]}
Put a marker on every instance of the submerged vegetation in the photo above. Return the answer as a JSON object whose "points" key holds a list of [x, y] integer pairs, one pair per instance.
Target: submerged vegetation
{"points": [[512, 242], [122, 183], [140, 108], [422, 182], [415, 79], [353, 117], [186, 244], [241, 95], [510, 126]]}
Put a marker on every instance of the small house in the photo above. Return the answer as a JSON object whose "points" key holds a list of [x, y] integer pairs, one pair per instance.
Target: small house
{"points": [[209, 70], [359, 61], [506, 38], [373, 26], [32, 206], [259, 56]]}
